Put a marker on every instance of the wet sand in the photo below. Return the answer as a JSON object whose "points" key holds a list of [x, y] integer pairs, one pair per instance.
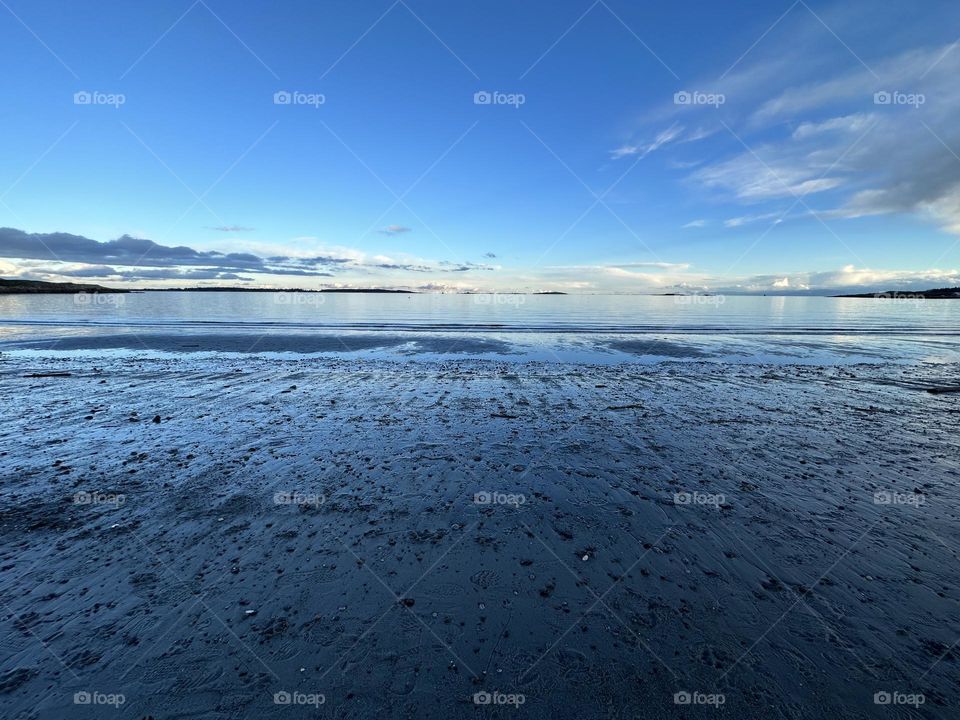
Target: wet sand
{"points": [[196, 536]]}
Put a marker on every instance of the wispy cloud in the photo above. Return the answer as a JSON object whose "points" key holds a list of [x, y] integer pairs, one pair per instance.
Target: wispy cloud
{"points": [[662, 138], [736, 222], [863, 134]]}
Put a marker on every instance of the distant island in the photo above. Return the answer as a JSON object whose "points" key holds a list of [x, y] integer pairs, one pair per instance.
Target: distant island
{"points": [[368, 290], [482, 292], [33, 287], [935, 294]]}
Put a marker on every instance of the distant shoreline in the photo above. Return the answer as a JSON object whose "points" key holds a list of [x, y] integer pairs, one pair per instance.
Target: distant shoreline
{"points": [[935, 294], [286, 290], [40, 287]]}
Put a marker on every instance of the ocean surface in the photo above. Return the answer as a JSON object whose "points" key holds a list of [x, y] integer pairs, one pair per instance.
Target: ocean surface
{"points": [[569, 328]]}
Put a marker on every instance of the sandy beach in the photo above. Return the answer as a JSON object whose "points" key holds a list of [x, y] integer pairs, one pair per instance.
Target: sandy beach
{"points": [[247, 538]]}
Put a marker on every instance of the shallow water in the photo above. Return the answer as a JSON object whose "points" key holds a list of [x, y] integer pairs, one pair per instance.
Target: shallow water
{"points": [[570, 328]]}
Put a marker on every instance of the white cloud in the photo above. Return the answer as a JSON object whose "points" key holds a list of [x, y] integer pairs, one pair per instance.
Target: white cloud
{"points": [[856, 123], [763, 175], [883, 158], [663, 138], [804, 104], [848, 279], [679, 277], [777, 218]]}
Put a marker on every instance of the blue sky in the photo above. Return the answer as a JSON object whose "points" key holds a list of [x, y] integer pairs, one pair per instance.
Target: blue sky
{"points": [[739, 146]]}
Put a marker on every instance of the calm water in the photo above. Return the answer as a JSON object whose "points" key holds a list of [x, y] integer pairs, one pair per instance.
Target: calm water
{"points": [[552, 326]]}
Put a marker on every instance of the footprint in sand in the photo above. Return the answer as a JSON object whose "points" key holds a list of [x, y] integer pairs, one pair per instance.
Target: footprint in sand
{"points": [[485, 579]]}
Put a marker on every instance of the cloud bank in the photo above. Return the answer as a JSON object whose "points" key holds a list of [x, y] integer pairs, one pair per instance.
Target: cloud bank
{"points": [[128, 258], [812, 126]]}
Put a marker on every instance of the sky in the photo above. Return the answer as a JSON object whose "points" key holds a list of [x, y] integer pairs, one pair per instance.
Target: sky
{"points": [[581, 146]]}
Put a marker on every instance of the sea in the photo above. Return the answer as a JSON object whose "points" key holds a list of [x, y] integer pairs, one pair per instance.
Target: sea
{"points": [[594, 329]]}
